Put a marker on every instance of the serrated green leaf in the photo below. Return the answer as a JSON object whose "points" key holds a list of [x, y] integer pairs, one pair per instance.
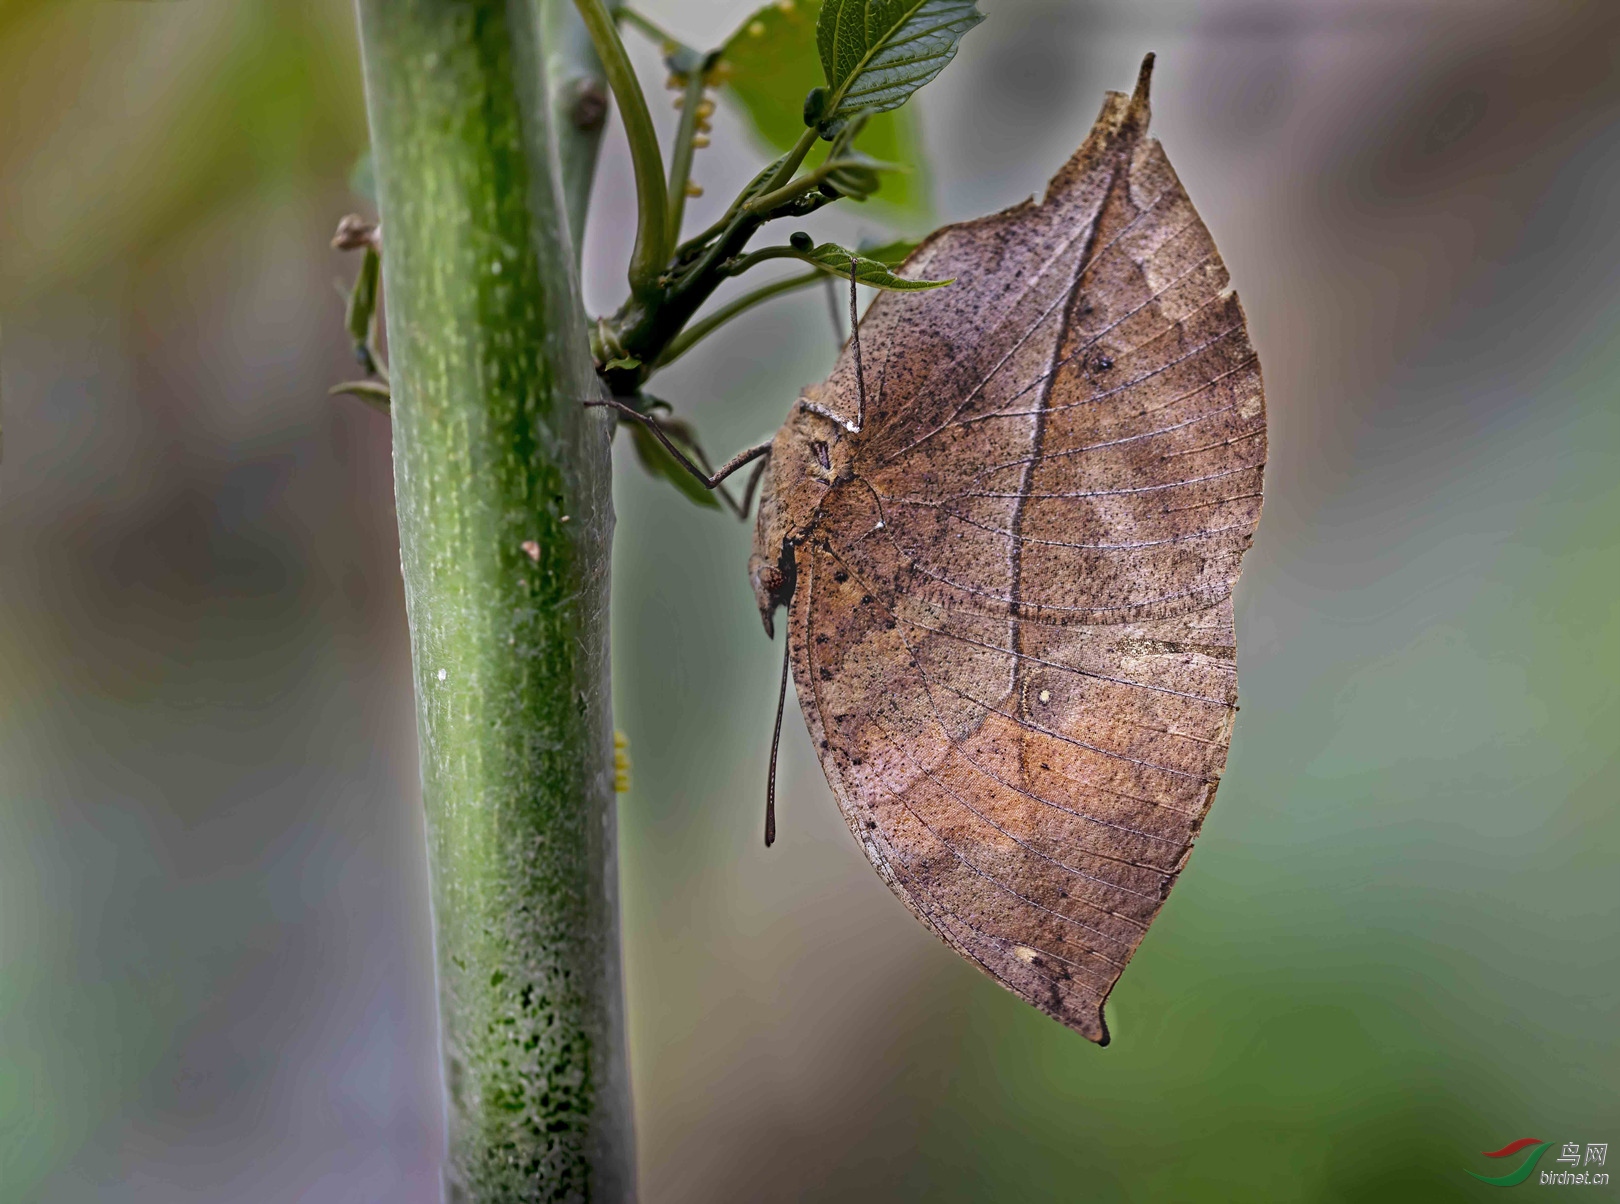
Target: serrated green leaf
{"points": [[876, 53], [766, 69], [834, 259], [655, 458]]}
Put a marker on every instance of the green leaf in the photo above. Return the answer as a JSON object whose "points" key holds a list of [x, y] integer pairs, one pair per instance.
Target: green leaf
{"points": [[372, 392], [859, 178], [768, 67], [363, 298], [659, 463], [832, 258], [876, 53]]}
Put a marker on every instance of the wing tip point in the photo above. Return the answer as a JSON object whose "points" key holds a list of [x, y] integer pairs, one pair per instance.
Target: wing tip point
{"points": [[1144, 83]]}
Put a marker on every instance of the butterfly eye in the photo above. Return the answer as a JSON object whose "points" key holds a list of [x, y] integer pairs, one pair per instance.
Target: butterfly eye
{"points": [[822, 458]]}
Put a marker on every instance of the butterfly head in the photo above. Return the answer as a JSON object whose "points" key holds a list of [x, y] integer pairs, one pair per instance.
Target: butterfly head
{"points": [[810, 454]]}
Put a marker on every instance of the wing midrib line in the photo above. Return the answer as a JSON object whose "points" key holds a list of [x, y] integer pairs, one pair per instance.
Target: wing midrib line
{"points": [[1026, 486]]}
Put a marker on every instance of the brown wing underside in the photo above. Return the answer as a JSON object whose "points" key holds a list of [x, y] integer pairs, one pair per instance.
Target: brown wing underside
{"points": [[1012, 628]]}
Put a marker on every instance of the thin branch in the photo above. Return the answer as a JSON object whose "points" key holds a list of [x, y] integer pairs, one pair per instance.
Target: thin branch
{"points": [[652, 206], [680, 160], [738, 215], [742, 263], [682, 59], [684, 341], [667, 41], [698, 241], [791, 191], [790, 161], [794, 189]]}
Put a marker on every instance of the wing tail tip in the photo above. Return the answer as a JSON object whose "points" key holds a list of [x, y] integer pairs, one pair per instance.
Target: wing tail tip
{"points": [[1102, 1036], [1093, 1026], [1139, 111], [1144, 78]]}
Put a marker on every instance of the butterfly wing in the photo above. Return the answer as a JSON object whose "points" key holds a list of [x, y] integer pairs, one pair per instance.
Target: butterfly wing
{"points": [[1012, 626]]}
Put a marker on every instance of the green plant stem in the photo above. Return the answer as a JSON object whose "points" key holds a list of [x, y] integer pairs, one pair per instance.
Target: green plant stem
{"points": [[680, 157], [693, 247], [647, 323], [789, 163], [684, 341], [578, 90], [503, 492], [643, 327], [770, 178], [743, 262], [652, 247], [741, 223], [699, 241], [794, 189], [791, 191], [667, 42]]}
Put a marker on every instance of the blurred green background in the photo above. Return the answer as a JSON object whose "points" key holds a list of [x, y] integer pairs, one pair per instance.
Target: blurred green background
{"points": [[1396, 945]]}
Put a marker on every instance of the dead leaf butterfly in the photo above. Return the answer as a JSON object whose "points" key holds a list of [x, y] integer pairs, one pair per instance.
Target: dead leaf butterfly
{"points": [[1006, 531]]}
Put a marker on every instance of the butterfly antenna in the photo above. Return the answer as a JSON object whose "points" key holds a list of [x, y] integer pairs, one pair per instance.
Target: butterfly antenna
{"points": [[776, 743], [855, 338]]}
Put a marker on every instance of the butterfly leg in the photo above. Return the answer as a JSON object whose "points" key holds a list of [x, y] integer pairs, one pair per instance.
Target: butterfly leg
{"points": [[710, 480], [853, 428], [855, 339]]}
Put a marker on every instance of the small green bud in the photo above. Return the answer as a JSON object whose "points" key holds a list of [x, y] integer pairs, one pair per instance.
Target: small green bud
{"points": [[815, 105], [800, 241]]}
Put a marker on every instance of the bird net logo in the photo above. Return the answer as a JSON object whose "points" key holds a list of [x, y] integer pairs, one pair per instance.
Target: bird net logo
{"points": [[1583, 1166]]}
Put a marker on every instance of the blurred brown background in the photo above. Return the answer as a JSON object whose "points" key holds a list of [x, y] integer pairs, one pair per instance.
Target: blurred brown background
{"points": [[1396, 945]]}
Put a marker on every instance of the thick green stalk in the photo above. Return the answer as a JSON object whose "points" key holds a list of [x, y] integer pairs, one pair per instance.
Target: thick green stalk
{"points": [[502, 484]]}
